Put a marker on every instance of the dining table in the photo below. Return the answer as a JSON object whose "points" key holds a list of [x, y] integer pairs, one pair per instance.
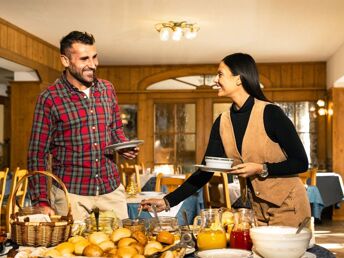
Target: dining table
{"points": [[317, 250]]}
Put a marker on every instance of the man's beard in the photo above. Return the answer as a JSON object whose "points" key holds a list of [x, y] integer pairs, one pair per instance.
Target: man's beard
{"points": [[78, 77]]}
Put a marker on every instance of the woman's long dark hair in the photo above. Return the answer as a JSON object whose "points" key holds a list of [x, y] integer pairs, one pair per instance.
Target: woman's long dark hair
{"points": [[245, 66]]}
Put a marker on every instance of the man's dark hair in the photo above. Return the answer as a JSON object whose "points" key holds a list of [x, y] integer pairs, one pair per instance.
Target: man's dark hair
{"points": [[75, 37]]}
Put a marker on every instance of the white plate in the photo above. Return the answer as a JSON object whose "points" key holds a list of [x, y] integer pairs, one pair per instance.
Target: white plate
{"points": [[151, 193], [306, 255], [211, 169], [190, 250], [124, 145], [224, 253]]}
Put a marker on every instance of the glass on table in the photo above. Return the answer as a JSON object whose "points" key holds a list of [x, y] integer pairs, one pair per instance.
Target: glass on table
{"points": [[165, 223], [135, 224]]}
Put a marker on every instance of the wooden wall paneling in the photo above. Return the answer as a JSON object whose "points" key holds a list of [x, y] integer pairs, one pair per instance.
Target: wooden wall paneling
{"points": [[200, 132], [149, 127], [297, 76], [286, 74], [308, 75], [23, 99], [338, 140], [275, 75]]}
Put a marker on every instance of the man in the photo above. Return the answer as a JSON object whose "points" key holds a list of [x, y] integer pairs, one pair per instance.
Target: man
{"points": [[75, 119]]}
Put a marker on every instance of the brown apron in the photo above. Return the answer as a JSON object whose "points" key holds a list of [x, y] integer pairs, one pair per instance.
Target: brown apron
{"points": [[276, 200]]}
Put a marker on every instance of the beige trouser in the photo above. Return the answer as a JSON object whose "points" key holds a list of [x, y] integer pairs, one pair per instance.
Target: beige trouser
{"points": [[115, 201], [291, 212]]}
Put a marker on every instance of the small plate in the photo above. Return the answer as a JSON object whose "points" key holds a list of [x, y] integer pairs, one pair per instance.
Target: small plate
{"points": [[124, 145], [210, 169], [306, 255], [224, 253], [190, 250]]}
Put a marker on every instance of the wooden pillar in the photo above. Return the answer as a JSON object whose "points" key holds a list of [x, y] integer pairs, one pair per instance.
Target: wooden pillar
{"points": [[337, 96]]}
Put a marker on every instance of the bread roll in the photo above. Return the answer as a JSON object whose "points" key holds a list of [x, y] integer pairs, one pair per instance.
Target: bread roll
{"points": [[75, 239], [165, 237], [126, 252], [107, 245], [140, 237], [167, 254], [92, 250], [97, 237], [139, 248], [138, 256], [126, 241], [80, 246], [52, 253], [120, 233], [152, 247], [65, 248]]}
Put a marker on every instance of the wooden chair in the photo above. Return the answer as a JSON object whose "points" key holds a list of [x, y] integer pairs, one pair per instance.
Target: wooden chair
{"points": [[3, 178], [211, 192], [169, 181], [20, 196], [309, 174]]}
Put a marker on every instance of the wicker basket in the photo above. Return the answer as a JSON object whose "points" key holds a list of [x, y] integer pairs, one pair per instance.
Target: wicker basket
{"points": [[41, 233]]}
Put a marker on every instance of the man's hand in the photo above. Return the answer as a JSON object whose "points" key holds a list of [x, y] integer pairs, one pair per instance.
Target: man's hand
{"points": [[129, 153]]}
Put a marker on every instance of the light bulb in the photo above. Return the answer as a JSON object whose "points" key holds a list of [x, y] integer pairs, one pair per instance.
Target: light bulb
{"points": [[321, 103], [177, 34], [165, 33], [190, 33], [322, 111]]}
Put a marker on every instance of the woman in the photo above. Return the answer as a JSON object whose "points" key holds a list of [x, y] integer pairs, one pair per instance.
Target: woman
{"points": [[263, 142]]}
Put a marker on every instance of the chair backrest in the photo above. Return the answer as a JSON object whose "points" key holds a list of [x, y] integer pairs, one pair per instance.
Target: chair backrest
{"points": [[216, 192], [309, 174], [171, 182], [20, 195], [3, 178]]}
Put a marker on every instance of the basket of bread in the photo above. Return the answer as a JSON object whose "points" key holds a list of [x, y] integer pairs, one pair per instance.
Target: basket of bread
{"points": [[39, 229], [120, 243]]}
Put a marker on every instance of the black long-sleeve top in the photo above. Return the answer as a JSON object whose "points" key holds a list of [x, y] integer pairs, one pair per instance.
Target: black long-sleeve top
{"points": [[278, 127]]}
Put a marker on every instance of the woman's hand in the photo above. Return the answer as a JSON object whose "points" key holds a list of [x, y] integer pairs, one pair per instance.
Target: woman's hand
{"points": [[147, 204], [247, 169]]}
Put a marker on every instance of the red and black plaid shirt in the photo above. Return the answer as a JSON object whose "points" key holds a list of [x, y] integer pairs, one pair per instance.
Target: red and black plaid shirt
{"points": [[75, 129]]}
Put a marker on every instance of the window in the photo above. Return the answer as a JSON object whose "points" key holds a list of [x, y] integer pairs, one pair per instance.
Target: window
{"points": [[303, 116], [129, 120], [175, 135]]}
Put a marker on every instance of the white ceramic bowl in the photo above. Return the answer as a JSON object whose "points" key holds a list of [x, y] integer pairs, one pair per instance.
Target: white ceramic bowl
{"points": [[215, 162], [280, 241]]}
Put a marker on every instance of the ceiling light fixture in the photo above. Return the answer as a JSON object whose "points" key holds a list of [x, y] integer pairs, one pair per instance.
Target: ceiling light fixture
{"points": [[177, 30]]}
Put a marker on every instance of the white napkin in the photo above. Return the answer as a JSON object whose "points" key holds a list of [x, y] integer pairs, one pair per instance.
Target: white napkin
{"points": [[171, 213], [35, 218]]}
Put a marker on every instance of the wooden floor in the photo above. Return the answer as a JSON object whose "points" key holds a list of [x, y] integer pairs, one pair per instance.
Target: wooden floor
{"points": [[330, 235]]}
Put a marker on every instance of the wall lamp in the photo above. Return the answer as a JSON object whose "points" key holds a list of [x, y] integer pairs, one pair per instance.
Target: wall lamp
{"points": [[177, 30], [322, 110]]}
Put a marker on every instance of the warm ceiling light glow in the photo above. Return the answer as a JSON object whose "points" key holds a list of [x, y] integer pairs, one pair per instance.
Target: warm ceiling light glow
{"points": [[321, 103], [322, 111], [177, 29], [165, 33]]}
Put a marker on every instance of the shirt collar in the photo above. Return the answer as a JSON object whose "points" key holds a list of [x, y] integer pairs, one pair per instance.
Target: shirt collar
{"points": [[64, 80], [246, 107]]}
